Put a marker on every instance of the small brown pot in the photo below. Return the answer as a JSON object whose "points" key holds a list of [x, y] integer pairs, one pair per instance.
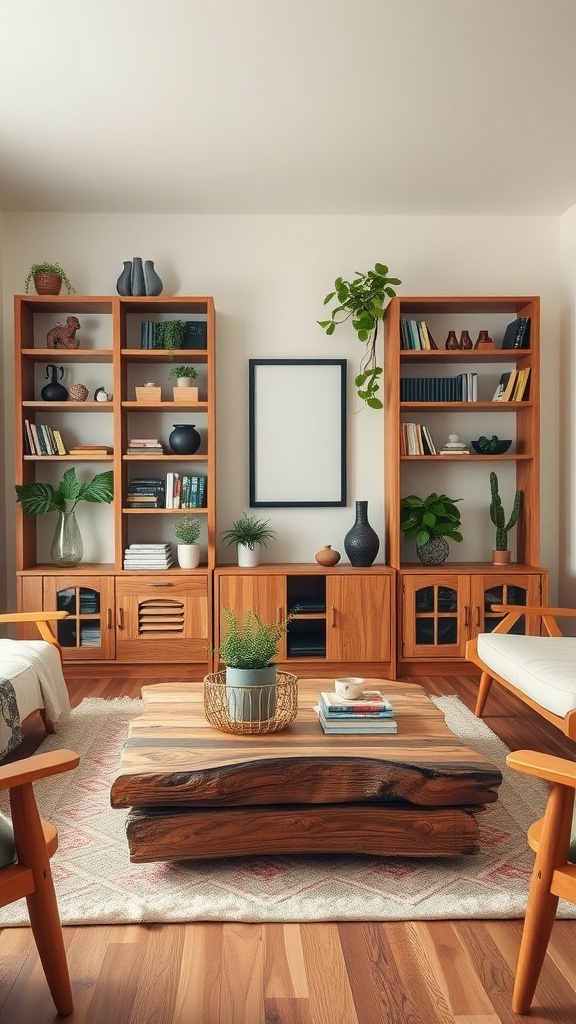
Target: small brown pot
{"points": [[326, 556], [500, 558], [47, 284]]}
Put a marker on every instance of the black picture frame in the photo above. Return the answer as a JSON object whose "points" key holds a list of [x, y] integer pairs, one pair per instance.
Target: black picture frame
{"points": [[297, 433]]}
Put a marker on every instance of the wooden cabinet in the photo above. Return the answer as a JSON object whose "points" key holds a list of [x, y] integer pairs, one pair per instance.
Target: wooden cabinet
{"points": [[343, 616], [113, 356], [440, 610], [162, 619]]}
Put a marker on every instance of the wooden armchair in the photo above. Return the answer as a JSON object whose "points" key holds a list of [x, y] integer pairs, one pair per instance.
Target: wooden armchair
{"points": [[553, 877], [36, 841]]}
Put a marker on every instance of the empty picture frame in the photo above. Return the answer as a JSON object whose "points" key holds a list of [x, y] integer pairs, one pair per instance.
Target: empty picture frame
{"points": [[297, 413]]}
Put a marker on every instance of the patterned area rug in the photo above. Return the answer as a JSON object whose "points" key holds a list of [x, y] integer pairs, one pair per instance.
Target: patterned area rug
{"points": [[97, 884]]}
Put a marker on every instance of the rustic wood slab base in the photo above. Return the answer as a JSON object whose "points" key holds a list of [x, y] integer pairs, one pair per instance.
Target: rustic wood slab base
{"points": [[196, 792]]}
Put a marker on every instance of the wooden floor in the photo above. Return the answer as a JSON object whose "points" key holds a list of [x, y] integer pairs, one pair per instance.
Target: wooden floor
{"points": [[435, 972]]}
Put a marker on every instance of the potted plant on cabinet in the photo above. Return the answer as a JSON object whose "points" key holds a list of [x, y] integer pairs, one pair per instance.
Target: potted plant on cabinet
{"points": [[429, 521], [183, 392], [38, 499], [187, 531], [248, 651], [248, 533], [363, 299], [501, 553], [48, 279]]}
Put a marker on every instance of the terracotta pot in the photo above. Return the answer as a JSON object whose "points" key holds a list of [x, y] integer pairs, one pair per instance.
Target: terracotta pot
{"points": [[47, 284], [326, 556], [500, 558]]}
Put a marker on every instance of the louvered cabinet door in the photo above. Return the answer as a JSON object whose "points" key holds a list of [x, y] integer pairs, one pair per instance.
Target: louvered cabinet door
{"points": [[160, 619]]}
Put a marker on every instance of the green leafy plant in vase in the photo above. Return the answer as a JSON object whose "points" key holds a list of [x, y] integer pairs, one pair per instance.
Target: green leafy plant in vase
{"points": [[248, 533], [248, 651], [363, 301], [429, 522], [48, 279], [187, 530], [39, 499], [501, 553]]}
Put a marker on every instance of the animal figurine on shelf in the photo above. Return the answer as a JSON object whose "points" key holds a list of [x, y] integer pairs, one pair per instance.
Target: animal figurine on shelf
{"points": [[64, 335]]}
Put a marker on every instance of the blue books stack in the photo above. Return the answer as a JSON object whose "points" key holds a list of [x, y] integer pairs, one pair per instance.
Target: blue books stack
{"points": [[370, 713]]}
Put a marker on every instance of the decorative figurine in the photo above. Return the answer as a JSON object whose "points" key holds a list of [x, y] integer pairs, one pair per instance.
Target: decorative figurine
{"points": [[64, 335], [454, 446], [101, 395], [465, 340], [484, 340], [451, 341]]}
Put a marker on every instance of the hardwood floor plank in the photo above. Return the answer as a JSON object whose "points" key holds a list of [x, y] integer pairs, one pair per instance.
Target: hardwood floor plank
{"points": [[198, 996], [287, 1011], [331, 999], [241, 974], [439, 951], [117, 984], [283, 958], [157, 989]]}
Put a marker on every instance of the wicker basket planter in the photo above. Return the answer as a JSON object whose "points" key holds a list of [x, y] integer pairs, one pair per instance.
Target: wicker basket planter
{"points": [[221, 705]]}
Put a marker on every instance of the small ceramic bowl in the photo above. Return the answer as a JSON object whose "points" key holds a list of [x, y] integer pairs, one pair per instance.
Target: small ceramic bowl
{"points": [[349, 687], [495, 447]]}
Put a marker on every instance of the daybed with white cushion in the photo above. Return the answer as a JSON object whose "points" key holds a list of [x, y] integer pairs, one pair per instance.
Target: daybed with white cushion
{"points": [[540, 670]]}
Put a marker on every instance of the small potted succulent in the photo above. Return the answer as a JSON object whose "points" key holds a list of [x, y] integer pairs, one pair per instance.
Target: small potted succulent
{"points": [[248, 651], [429, 521], [183, 392], [187, 531], [48, 279], [501, 553], [248, 533]]}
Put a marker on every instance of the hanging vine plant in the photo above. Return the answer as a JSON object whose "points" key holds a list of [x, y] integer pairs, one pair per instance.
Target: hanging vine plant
{"points": [[363, 300]]}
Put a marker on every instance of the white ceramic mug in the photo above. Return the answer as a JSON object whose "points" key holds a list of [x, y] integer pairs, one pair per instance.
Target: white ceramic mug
{"points": [[349, 687]]}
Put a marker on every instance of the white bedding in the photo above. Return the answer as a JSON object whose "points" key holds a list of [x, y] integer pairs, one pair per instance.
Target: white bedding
{"points": [[34, 669]]}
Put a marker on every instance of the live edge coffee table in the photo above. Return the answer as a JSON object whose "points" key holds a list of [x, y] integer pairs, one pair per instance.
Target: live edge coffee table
{"points": [[195, 792]]}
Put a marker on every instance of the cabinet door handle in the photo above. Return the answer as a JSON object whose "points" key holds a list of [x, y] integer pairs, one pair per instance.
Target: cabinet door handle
{"points": [[109, 619], [466, 616], [279, 615], [478, 616], [166, 583], [333, 617], [120, 617]]}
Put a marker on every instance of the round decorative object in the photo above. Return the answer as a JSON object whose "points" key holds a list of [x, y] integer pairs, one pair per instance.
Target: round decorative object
{"points": [[326, 556], [434, 552], [47, 284], [78, 393], [152, 282], [490, 445], [242, 711], [101, 395], [137, 285], [123, 286], [54, 392], [361, 543], [184, 439]]}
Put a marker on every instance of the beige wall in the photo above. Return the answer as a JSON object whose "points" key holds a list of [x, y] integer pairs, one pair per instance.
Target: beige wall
{"points": [[269, 275]]}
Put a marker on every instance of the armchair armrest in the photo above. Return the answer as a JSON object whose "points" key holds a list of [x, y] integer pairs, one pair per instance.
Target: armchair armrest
{"points": [[544, 766], [39, 766]]}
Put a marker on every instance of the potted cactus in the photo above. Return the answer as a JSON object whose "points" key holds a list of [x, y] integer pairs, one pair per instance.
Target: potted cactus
{"points": [[501, 553]]}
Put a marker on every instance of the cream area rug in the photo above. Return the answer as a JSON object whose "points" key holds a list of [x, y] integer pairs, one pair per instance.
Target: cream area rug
{"points": [[96, 883]]}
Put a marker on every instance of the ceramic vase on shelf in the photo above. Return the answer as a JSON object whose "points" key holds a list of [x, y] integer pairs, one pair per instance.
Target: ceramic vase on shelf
{"points": [[451, 341], [184, 439], [152, 281], [326, 556], [67, 549], [248, 557], [361, 543], [54, 392], [123, 285], [465, 340], [137, 285], [434, 552], [188, 556]]}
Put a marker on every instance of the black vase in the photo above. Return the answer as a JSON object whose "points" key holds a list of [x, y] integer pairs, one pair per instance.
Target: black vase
{"points": [[123, 286], [184, 439], [54, 392], [361, 543], [137, 285]]}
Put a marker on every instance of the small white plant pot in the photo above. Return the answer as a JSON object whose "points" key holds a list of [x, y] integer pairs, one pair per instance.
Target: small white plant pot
{"points": [[248, 556], [188, 556]]}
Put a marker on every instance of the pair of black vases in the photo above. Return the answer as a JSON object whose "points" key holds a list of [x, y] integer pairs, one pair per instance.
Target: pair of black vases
{"points": [[139, 278]]}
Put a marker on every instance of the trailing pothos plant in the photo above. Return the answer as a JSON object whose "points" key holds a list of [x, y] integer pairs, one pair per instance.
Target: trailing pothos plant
{"points": [[37, 499], [364, 300]]}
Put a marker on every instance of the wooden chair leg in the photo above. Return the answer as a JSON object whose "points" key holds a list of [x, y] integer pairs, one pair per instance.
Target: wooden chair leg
{"points": [[48, 723], [542, 904], [42, 904], [483, 691]]}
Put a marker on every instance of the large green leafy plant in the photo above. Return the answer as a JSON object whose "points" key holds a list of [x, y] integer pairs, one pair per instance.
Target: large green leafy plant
{"points": [[37, 499], [434, 516], [251, 643], [363, 300]]}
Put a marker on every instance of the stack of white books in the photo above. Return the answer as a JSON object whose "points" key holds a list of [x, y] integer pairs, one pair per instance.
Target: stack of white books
{"points": [[148, 556]]}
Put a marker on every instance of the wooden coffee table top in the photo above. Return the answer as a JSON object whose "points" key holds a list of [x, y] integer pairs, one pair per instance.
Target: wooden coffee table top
{"points": [[174, 757]]}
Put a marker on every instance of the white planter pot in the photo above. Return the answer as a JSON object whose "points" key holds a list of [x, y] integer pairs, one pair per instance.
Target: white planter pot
{"points": [[251, 693], [248, 556], [188, 556]]}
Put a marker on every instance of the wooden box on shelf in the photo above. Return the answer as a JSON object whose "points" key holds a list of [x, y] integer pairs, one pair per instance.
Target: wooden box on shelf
{"points": [[148, 394], [185, 394]]}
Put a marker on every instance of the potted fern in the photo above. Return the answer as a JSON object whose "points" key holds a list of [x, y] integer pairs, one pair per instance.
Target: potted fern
{"points": [[48, 279], [248, 651], [187, 531], [428, 522], [501, 553], [248, 533], [39, 499]]}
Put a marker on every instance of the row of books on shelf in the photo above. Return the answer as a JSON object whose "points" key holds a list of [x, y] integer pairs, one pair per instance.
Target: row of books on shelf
{"points": [[176, 491], [513, 386], [194, 336], [371, 713], [40, 439], [148, 556], [414, 334], [416, 439], [461, 388]]}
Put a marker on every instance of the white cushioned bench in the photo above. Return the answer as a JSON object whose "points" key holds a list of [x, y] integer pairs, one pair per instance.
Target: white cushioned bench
{"points": [[540, 670]]}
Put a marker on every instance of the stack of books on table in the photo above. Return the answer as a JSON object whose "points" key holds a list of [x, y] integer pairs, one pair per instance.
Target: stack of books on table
{"points": [[370, 713], [144, 446], [148, 556]]}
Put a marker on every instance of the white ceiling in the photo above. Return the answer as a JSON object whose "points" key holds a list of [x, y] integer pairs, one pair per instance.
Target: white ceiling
{"points": [[288, 106]]}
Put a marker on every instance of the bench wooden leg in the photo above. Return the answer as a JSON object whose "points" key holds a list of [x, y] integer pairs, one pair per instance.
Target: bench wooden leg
{"points": [[483, 691], [48, 723]]}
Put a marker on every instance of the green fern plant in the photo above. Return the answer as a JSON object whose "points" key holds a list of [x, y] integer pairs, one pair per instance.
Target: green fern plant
{"points": [[497, 514], [251, 643], [249, 531], [187, 529]]}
